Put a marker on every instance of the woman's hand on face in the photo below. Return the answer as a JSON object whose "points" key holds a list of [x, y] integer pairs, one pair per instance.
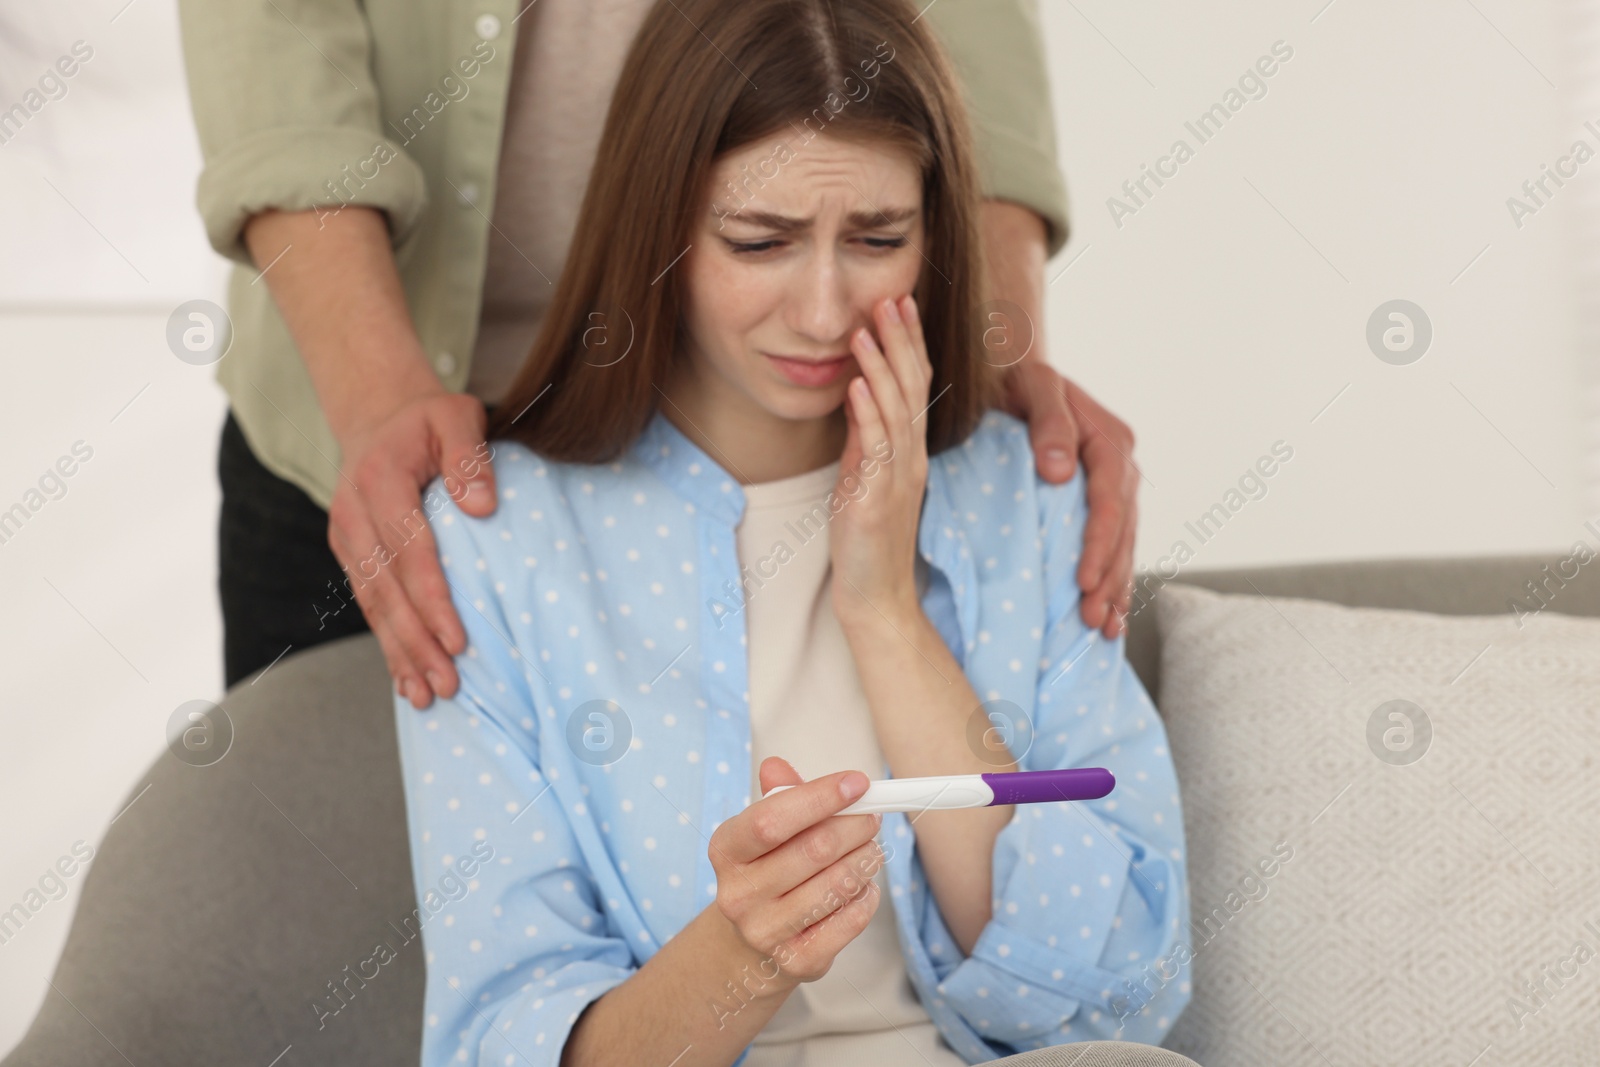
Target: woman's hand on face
{"points": [[884, 468], [795, 882]]}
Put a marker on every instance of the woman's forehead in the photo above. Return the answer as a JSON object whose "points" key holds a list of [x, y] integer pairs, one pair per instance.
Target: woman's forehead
{"points": [[772, 182]]}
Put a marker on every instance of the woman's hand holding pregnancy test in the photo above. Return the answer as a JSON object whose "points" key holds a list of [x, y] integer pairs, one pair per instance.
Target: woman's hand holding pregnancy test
{"points": [[942, 792], [794, 884]]}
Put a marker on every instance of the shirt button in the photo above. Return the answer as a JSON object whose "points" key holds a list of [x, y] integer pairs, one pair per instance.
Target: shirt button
{"points": [[467, 193], [488, 27], [446, 363]]}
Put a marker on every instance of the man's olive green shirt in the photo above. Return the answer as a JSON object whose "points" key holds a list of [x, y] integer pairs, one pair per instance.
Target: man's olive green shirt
{"points": [[400, 105]]}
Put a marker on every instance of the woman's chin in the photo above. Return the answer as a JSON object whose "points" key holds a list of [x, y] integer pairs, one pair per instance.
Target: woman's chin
{"points": [[804, 405]]}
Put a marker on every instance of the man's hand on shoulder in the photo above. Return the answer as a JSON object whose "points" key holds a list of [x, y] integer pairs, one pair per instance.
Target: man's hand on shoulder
{"points": [[1064, 423], [379, 532]]}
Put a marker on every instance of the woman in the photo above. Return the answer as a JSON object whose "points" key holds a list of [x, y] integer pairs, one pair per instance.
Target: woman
{"points": [[757, 502]]}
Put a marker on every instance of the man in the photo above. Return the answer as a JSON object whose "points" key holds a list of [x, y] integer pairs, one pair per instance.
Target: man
{"points": [[397, 183]]}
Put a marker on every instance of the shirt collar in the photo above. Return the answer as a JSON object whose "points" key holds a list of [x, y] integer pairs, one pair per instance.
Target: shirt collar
{"points": [[689, 470], [700, 479]]}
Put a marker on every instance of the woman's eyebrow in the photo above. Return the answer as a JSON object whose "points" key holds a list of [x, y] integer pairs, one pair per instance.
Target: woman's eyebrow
{"points": [[771, 220]]}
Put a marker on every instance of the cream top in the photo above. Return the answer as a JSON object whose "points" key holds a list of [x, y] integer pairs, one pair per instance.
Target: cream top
{"points": [[807, 705]]}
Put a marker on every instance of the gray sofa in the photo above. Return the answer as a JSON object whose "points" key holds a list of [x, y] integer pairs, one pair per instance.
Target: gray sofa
{"points": [[222, 905]]}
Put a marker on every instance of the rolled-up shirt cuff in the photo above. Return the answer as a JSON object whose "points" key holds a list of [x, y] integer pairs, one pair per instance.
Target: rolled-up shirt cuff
{"points": [[301, 168], [1017, 989], [1017, 169]]}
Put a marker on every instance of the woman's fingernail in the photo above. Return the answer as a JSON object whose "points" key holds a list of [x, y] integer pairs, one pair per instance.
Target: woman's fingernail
{"points": [[853, 785], [891, 311], [436, 682], [911, 309], [1056, 456]]}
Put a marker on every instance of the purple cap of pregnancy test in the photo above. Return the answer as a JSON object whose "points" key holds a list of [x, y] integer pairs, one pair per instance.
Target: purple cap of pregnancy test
{"points": [[1037, 787]]}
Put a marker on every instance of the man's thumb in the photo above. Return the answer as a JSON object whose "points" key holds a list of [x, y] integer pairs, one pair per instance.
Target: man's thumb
{"points": [[468, 475], [1054, 433]]}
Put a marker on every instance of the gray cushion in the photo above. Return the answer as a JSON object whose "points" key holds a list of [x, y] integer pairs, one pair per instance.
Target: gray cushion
{"points": [[1485, 585], [1391, 821]]}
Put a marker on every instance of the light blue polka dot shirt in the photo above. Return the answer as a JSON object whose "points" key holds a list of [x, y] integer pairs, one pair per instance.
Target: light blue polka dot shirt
{"points": [[561, 804]]}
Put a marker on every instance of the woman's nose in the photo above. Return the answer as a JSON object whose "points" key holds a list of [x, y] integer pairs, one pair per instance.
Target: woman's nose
{"points": [[822, 308]]}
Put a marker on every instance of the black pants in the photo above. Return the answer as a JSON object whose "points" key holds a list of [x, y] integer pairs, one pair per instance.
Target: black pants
{"points": [[280, 585]]}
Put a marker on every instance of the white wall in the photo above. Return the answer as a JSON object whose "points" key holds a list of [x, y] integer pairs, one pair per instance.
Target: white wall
{"points": [[98, 187], [1231, 309], [110, 618], [1221, 317]]}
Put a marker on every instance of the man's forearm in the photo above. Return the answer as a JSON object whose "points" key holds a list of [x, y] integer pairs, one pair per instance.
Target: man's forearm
{"points": [[703, 998], [335, 282], [1014, 252]]}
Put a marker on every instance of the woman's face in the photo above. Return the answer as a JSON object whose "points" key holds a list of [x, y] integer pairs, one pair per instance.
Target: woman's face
{"points": [[794, 249]]}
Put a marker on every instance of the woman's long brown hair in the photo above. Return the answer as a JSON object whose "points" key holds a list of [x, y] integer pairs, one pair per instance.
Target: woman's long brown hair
{"points": [[704, 77]]}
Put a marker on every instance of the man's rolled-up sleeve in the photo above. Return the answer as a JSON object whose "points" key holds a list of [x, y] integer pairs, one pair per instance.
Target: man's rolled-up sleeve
{"points": [[1090, 898], [284, 102], [998, 50]]}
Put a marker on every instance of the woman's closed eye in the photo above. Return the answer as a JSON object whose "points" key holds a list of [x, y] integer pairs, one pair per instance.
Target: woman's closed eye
{"points": [[745, 248]]}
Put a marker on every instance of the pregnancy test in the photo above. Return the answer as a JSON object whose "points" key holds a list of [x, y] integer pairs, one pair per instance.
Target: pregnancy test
{"points": [[942, 792]]}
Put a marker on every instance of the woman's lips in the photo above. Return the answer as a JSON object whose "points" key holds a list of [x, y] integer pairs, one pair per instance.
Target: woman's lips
{"points": [[812, 372]]}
